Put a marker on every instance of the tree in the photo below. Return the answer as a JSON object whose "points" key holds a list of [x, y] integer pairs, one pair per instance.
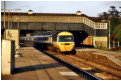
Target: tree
{"points": [[112, 12], [104, 15], [114, 22], [119, 35], [116, 34]]}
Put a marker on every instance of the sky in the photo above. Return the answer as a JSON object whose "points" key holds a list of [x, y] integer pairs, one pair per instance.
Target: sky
{"points": [[90, 8]]}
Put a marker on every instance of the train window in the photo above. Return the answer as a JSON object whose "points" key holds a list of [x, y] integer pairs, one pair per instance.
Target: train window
{"points": [[39, 39], [45, 39], [66, 38]]}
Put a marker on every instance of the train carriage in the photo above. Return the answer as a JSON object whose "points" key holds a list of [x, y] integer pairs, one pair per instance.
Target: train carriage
{"points": [[63, 41]]}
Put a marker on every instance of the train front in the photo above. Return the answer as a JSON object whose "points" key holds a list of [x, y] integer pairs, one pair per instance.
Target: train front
{"points": [[66, 42]]}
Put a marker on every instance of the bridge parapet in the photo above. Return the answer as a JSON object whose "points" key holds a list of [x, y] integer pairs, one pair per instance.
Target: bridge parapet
{"points": [[94, 25], [101, 25]]}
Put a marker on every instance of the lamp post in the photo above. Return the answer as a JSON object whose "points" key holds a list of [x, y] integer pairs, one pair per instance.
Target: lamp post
{"points": [[4, 21], [9, 15], [4, 13], [108, 33]]}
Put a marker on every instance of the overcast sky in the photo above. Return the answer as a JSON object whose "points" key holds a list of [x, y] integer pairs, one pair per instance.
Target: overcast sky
{"points": [[90, 8]]}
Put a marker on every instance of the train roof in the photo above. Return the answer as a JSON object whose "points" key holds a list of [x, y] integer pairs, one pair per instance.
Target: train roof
{"points": [[38, 36], [65, 33], [62, 33], [42, 36], [49, 35]]}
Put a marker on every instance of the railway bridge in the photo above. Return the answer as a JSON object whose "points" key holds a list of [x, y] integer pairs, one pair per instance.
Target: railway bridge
{"points": [[87, 30]]}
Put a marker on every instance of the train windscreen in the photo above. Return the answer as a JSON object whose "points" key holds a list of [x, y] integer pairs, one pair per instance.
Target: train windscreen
{"points": [[66, 38]]}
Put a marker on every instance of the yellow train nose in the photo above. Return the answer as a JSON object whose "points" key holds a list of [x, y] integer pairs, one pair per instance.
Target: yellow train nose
{"points": [[66, 47]]}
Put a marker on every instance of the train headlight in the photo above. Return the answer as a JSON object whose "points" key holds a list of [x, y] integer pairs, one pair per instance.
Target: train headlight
{"points": [[62, 43], [71, 43], [67, 44]]}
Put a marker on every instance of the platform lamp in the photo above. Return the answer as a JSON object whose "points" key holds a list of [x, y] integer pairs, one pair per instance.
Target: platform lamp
{"points": [[78, 13], [30, 11], [109, 31]]}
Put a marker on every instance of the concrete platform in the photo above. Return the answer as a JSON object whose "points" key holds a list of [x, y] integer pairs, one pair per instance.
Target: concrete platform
{"points": [[35, 65], [100, 55]]}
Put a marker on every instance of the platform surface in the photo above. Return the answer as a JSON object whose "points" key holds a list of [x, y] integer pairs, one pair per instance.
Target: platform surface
{"points": [[114, 56], [35, 65]]}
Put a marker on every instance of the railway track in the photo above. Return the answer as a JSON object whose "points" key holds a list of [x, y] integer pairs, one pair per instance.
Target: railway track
{"points": [[114, 71], [77, 70], [82, 65], [92, 69]]}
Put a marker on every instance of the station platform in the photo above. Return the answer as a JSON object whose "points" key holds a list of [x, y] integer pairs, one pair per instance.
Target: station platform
{"points": [[33, 64], [101, 55]]}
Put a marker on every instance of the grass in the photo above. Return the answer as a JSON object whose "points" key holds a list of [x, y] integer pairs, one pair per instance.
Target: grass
{"points": [[118, 50]]}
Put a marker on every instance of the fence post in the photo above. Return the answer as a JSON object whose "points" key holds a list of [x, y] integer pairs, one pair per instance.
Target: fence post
{"points": [[118, 44], [113, 44]]}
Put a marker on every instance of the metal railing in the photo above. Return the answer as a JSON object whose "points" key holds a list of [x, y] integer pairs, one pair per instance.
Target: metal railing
{"points": [[94, 25]]}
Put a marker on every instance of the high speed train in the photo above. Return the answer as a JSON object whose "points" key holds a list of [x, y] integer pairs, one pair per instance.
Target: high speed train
{"points": [[62, 41]]}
